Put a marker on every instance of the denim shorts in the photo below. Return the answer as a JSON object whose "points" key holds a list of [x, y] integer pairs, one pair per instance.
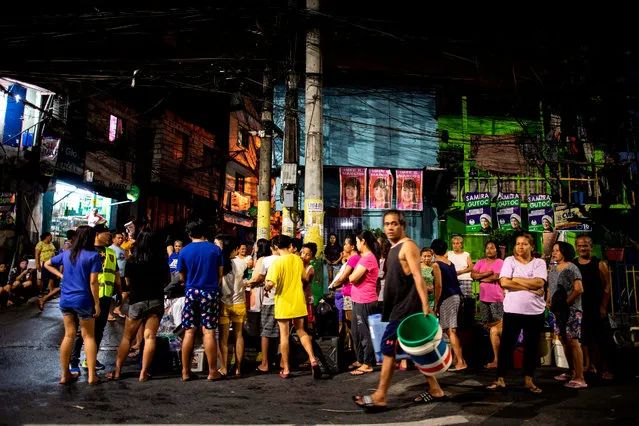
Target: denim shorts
{"points": [[82, 313]]}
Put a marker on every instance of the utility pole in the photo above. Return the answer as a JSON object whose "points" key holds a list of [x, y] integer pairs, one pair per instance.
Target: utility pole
{"points": [[313, 172], [291, 157], [266, 152]]}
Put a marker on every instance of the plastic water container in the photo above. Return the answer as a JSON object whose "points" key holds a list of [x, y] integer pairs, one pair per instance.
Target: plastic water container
{"points": [[422, 338], [560, 355], [377, 328]]}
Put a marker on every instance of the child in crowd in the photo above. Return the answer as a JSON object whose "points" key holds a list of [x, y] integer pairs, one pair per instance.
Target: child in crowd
{"points": [[309, 250]]}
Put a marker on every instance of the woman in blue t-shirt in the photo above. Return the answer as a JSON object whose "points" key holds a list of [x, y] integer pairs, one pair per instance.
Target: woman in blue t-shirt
{"points": [[78, 298]]}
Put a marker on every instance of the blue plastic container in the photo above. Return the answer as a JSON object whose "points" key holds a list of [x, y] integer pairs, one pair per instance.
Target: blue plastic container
{"points": [[377, 328]]}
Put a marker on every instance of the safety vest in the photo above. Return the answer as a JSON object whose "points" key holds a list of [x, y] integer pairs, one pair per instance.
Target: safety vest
{"points": [[107, 276]]}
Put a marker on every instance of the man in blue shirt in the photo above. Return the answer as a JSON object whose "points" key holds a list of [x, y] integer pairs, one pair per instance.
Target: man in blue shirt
{"points": [[200, 264]]}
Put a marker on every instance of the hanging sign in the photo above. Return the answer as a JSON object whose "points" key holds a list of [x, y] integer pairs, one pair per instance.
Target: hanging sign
{"points": [[49, 155], [380, 191], [540, 214], [509, 212], [571, 218], [352, 187], [477, 209], [409, 190]]}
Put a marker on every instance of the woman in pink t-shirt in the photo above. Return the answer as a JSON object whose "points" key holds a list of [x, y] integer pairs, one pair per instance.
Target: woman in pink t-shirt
{"points": [[491, 296], [364, 296], [523, 276]]}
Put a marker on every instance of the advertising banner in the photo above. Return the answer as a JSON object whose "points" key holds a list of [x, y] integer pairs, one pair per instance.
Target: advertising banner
{"points": [[509, 212], [540, 215], [352, 182], [409, 190], [477, 210], [109, 172], [570, 218], [380, 191], [49, 155]]}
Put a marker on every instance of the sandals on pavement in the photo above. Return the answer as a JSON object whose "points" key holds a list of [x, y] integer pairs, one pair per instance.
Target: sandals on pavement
{"points": [[366, 403], [495, 386], [72, 379], [111, 376], [360, 372], [316, 370], [575, 384], [425, 398], [533, 389], [563, 377], [284, 375]]}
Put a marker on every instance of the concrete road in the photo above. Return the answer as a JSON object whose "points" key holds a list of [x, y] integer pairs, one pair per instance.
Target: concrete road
{"points": [[30, 394]]}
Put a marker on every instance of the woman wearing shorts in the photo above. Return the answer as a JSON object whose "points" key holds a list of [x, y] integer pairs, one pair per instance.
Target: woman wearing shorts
{"points": [[491, 296], [147, 273], [564, 300], [78, 299]]}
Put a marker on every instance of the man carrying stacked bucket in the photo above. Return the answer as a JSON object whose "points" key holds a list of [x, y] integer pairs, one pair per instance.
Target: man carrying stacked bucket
{"points": [[405, 295]]}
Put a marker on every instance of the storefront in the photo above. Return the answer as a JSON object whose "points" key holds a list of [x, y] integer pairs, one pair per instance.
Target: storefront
{"points": [[71, 207]]}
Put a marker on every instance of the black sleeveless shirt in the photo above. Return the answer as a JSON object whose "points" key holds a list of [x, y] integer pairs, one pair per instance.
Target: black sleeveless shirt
{"points": [[400, 294], [593, 286]]}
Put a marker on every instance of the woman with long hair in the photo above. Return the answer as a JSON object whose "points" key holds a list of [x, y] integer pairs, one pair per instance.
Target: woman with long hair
{"points": [[147, 273], [332, 256], [233, 297], [524, 277], [564, 302], [79, 299], [364, 296]]}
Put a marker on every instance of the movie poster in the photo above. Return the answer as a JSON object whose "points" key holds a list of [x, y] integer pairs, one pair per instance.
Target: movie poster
{"points": [[540, 214], [409, 190], [478, 212], [352, 182], [509, 212], [380, 190]]}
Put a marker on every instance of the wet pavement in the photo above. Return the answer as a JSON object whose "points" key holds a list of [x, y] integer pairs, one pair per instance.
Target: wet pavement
{"points": [[30, 393]]}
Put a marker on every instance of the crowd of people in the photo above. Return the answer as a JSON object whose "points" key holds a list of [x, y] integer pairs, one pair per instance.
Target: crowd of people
{"points": [[390, 275]]}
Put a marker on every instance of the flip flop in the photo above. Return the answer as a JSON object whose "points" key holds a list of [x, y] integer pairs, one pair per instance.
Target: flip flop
{"points": [[284, 375], [217, 379], [366, 403], [316, 370], [425, 398], [134, 353], [563, 377], [145, 378], [111, 319], [257, 370], [111, 376], [533, 389], [575, 384], [495, 386], [74, 378], [354, 365], [190, 378], [359, 372]]}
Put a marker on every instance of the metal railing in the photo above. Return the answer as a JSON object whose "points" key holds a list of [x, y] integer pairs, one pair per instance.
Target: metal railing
{"points": [[569, 181]]}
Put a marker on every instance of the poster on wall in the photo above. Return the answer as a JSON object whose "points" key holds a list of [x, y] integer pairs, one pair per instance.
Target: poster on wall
{"points": [[509, 212], [540, 215], [49, 147], [380, 191], [409, 189], [478, 212], [352, 182], [571, 218]]}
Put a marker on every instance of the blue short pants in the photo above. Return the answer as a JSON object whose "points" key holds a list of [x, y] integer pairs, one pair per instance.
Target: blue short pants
{"points": [[202, 304], [389, 346], [82, 313]]}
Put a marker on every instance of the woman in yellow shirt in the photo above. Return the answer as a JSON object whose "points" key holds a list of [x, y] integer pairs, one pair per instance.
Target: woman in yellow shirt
{"points": [[286, 276]]}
